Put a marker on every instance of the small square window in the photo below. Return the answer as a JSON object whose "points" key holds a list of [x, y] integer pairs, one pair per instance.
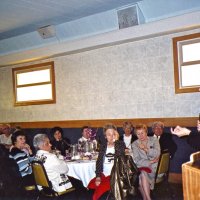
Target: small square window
{"points": [[34, 84], [187, 63]]}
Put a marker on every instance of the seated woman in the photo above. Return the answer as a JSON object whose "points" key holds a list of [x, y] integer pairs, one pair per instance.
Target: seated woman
{"points": [[128, 137], [146, 152], [23, 156], [56, 169], [58, 142], [108, 152]]}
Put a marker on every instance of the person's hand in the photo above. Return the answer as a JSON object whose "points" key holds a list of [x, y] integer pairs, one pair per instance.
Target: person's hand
{"points": [[127, 151], [97, 181], [143, 147], [155, 160], [198, 125], [28, 149], [180, 131]]}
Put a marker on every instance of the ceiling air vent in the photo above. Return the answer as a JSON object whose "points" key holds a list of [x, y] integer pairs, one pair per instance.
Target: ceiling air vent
{"points": [[47, 31], [130, 16]]}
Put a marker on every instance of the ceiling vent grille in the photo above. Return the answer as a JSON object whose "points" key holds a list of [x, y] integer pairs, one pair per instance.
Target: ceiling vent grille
{"points": [[130, 16], [47, 31]]}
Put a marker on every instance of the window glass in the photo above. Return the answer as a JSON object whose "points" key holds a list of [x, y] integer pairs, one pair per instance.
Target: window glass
{"points": [[191, 52], [33, 77], [34, 84], [190, 75], [37, 93]]}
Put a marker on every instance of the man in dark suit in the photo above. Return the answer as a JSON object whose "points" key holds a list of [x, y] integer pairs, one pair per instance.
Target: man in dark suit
{"points": [[165, 139]]}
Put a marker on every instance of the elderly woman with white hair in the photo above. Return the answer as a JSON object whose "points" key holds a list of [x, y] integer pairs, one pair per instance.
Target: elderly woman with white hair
{"points": [[56, 169]]}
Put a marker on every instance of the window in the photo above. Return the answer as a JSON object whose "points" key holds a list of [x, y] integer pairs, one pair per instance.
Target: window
{"points": [[187, 63], [34, 84]]}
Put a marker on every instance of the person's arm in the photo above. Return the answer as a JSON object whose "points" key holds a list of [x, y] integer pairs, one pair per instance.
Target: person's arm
{"points": [[167, 144], [57, 165], [154, 149], [119, 148], [180, 131], [99, 163], [193, 137], [194, 140]]}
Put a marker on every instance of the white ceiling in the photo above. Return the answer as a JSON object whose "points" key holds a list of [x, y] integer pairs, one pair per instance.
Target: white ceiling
{"points": [[20, 19]]}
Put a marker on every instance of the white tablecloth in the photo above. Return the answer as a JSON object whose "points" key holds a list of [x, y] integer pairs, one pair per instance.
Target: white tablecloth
{"points": [[84, 170]]}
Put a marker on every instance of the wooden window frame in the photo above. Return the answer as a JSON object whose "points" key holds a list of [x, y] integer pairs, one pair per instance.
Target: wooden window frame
{"points": [[36, 67], [177, 52]]}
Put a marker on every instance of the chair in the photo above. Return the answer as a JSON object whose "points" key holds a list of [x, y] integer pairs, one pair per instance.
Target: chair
{"points": [[29, 187], [41, 179], [162, 171], [30, 190]]}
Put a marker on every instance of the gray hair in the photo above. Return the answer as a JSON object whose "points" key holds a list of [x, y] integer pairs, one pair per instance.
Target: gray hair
{"points": [[127, 124], [109, 126], [39, 140], [158, 123]]}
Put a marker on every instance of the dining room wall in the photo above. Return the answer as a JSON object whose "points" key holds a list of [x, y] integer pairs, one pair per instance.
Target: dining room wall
{"points": [[134, 79]]}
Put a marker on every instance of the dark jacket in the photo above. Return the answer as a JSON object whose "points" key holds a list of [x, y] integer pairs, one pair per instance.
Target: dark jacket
{"points": [[124, 178], [119, 151], [167, 143], [10, 178], [194, 140], [61, 145]]}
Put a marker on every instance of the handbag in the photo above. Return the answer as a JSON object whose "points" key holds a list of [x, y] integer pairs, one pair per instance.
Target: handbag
{"points": [[124, 179]]}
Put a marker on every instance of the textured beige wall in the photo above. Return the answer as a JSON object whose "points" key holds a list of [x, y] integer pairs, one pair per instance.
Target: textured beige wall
{"points": [[131, 80]]}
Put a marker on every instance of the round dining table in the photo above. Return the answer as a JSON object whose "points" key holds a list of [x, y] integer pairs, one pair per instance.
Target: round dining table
{"points": [[84, 170]]}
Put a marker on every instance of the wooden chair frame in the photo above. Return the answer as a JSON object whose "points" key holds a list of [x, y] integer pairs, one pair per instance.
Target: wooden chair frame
{"points": [[163, 167]]}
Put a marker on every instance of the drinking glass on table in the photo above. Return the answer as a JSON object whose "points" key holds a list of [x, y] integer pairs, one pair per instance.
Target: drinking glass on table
{"points": [[68, 155]]}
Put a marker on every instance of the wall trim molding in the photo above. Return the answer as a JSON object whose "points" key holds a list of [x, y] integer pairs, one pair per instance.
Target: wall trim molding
{"points": [[182, 121]]}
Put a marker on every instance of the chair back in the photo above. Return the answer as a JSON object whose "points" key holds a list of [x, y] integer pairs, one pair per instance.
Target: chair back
{"points": [[40, 174], [163, 167], [41, 179]]}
